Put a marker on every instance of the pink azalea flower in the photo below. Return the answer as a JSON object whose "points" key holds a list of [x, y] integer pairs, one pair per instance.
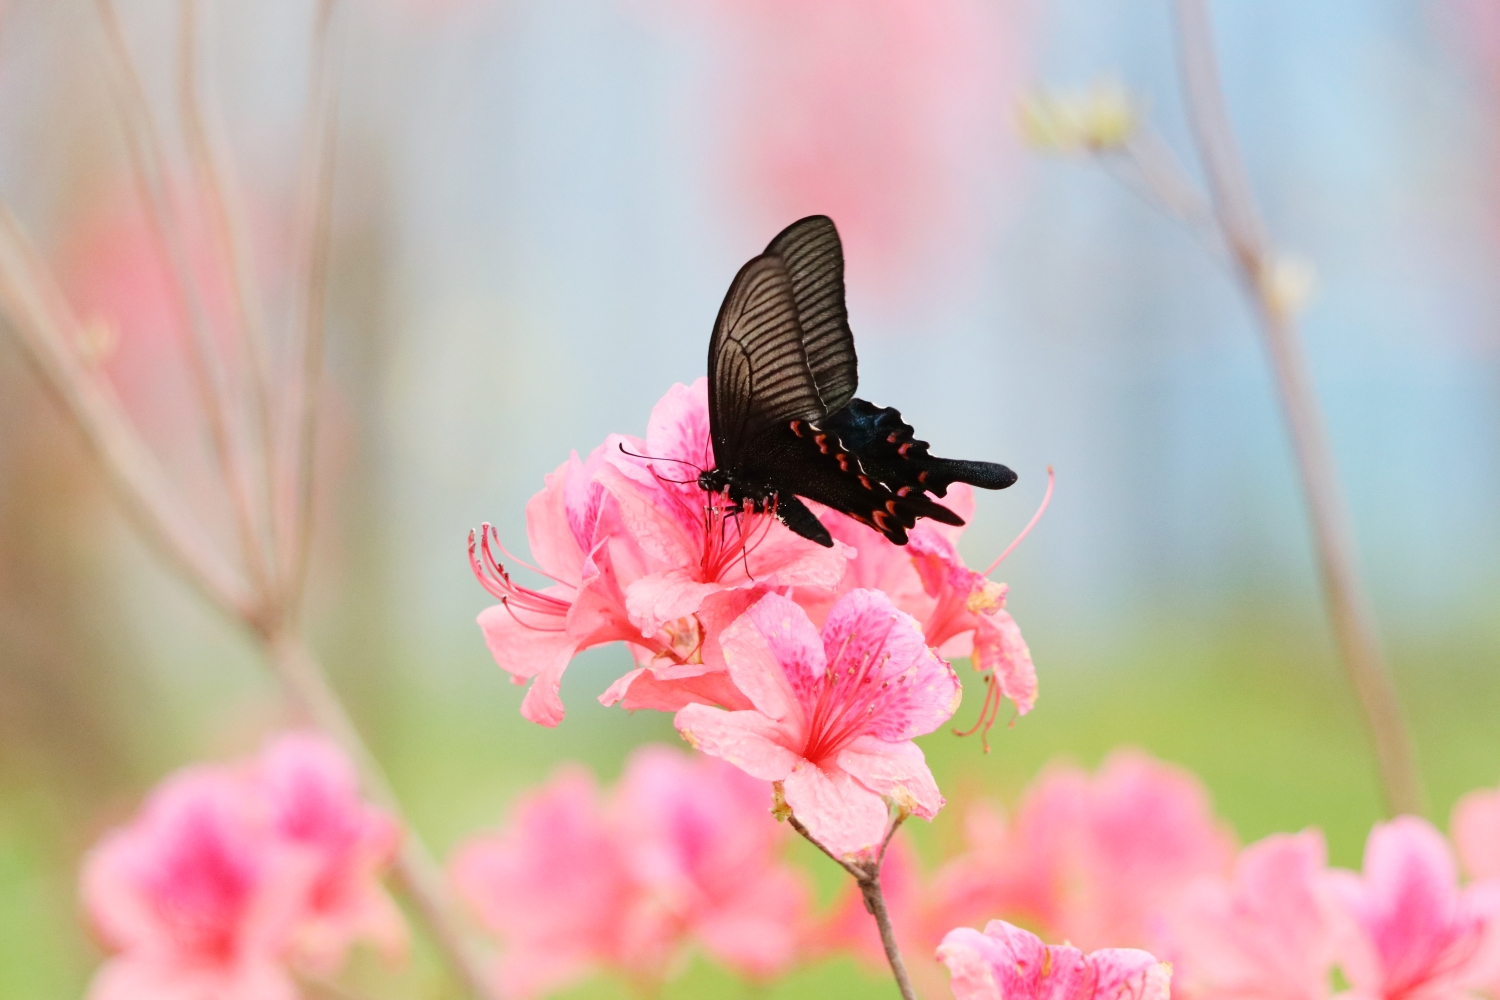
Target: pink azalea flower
{"points": [[1093, 860], [702, 843], [1007, 963], [1408, 930], [833, 716], [555, 888], [1264, 934], [195, 897], [534, 633], [315, 807], [702, 566]]}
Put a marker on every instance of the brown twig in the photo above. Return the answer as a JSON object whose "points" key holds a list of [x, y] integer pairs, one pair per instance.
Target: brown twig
{"points": [[1239, 222], [866, 875]]}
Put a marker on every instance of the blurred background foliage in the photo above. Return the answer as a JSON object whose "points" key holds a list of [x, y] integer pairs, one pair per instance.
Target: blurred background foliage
{"points": [[539, 206]]}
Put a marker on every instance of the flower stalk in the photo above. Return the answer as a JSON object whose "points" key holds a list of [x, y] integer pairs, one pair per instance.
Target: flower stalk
{"points": [[866, 875]]}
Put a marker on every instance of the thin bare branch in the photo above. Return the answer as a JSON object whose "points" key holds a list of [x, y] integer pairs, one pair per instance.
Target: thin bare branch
{"points": [[215, 170], [316, 216], [1348, 607], [48, 334], [143, 140]]}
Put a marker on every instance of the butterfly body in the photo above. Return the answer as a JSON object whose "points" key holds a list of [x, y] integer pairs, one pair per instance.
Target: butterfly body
{"points": [[783, 416]]}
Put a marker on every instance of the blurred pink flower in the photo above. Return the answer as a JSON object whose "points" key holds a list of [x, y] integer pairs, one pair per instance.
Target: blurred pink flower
{"points": [[701, 567], [1476, 833], [196, 897], [315, 807], [834, 715], [1264, 934], [535, 633], [702, 843], [1007, 963], [1092, 860], [682, 851], [889, 115], [555, 888], [1407, 930]]}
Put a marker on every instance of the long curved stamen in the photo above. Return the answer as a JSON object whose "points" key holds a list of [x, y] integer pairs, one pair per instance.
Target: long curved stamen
{"points": [[491, 533], [835, 723], [1051, 481], [989, 712], [492, 575]]}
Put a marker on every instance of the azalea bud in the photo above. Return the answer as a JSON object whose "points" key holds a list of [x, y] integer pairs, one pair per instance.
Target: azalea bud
{"points": [[1098, 119]]}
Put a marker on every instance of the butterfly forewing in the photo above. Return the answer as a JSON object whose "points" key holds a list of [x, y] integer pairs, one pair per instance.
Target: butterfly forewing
{"points": [[815, 261], [758, 376]]}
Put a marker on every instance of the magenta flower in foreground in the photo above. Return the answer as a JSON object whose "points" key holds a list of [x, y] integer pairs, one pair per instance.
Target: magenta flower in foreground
{"points": [[196, 897], [833, 715], [1007, 963], [316, 809], [1410, 932]]}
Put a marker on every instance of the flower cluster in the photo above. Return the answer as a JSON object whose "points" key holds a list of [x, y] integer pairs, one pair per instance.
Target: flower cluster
{"points": [[806, 666], [1133, 856], [231, 875], [681, 852]]}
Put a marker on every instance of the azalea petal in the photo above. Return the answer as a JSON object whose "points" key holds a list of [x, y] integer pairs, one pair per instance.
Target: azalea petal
{"points": [[654, 600], [1266, 933], [661, 529], [1008, 963], [1476, 832], [140, 977], [748, 740], [998, 646], [912, 690], [679, 426], [554, 546], [646, 688], [524, 644], [842, 814], [775, 656], [1129, 974], [1415, 929], [897, 771]]}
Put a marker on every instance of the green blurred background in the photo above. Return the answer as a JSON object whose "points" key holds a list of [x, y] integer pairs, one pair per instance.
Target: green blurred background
{"points": [[539, 206]]}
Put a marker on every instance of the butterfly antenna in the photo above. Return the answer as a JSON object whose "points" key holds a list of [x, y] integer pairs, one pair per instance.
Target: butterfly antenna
{"points": [[1051, 482], [653, 458]]}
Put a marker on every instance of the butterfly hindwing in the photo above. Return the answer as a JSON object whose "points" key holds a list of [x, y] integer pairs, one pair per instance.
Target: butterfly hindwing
{"points": [[889, 449]]}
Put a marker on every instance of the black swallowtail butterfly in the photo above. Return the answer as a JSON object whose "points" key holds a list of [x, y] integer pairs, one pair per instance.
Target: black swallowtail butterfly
{"points": [[782, 412]]}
